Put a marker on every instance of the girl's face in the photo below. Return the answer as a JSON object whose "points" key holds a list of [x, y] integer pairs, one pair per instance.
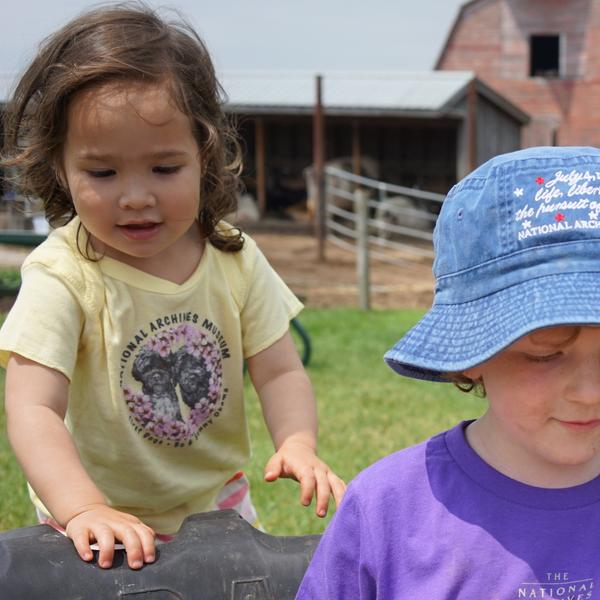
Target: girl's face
{"points": [[133, 169], [542, 426]]}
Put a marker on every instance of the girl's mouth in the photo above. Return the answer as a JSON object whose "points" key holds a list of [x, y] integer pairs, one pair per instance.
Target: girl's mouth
{"points": [[140, 231]]}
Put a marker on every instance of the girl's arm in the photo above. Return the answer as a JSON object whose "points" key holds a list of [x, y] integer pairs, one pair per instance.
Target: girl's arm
{"points": [[36, 404], [289, 410]]}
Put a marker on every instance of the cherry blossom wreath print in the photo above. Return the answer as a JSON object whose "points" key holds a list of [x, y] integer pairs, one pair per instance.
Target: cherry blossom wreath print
{"points": [[179, 375]]}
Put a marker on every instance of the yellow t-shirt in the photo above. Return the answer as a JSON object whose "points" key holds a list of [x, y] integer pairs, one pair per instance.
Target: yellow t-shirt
{"points": [[155, 368]]}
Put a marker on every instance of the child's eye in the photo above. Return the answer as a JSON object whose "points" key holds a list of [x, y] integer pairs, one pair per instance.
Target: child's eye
{"points": [[166, 170], [543, 357], [101, 173]]}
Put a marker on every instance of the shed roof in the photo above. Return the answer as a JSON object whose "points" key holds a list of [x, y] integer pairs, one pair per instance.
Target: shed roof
{"points": [[412, 93]]}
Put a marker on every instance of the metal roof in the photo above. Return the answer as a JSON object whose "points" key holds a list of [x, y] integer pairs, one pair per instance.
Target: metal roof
{"points": [[348, 92], [423, 94]]}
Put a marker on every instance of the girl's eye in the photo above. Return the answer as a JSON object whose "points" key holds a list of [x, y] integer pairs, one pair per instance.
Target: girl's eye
{"points": [[101, 173], [166, 170], [543, 358]]}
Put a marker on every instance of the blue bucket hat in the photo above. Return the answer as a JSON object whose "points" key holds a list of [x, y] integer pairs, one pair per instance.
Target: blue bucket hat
{"points": [[517, 247]]}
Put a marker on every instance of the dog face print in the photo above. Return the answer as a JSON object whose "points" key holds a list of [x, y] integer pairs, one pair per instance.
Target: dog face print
{"points": [[155, 372], [175, 388]]}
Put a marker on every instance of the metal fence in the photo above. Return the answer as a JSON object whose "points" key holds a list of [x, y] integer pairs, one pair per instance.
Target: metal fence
{"points": [[378, 220]]}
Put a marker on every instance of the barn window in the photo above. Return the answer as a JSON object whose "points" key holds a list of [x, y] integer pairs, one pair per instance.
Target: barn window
{"points": [[544, 56]]}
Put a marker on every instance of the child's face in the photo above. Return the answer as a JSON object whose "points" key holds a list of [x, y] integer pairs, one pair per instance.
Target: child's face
{"points": [[543, 422], [133, 169]]}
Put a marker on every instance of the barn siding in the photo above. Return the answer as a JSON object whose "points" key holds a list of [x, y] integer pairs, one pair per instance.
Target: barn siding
{"points": [[491, 37]]}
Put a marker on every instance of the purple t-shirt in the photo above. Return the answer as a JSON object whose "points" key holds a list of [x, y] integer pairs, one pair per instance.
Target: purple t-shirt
{"points": [[436, 522]]}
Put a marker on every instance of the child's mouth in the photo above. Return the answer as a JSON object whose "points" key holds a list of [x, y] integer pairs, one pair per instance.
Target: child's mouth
{"points": [[140, 231], [582, 425]]}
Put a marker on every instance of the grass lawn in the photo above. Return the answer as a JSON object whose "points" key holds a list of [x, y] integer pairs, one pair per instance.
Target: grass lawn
{"points": [[366, 411]]}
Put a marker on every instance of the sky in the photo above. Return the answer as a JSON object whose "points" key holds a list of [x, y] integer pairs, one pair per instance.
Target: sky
{"points": [[283, 35]]}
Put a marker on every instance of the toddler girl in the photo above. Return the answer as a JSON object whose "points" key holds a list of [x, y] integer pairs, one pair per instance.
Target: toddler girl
{"points": [[124, 351]]}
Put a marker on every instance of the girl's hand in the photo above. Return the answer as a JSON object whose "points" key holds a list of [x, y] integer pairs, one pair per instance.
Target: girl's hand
{"points": [[102, 524], [36, 402], [297, 460]]}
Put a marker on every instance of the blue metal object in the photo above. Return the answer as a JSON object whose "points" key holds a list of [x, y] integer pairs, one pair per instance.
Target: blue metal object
{"points": [[215, 555], [18, 237], [305, 343]]}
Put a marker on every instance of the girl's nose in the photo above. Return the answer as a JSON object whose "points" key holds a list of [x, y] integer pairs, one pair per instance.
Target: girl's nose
{"points": [[136, 196]]}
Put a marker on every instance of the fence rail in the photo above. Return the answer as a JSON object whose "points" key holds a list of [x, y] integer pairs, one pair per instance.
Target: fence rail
{"points": [[378, 220]]}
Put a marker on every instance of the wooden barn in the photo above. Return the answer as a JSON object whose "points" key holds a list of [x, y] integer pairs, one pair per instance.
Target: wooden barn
{"points": [[422, 130], [544, 55]]}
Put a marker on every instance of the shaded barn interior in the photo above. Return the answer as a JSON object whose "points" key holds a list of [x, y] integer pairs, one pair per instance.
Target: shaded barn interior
{"points": [[407, 152], [421, 130]]}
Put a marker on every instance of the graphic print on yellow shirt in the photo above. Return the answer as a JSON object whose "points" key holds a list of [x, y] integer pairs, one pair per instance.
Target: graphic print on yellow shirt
{"points": [[176, 365]]}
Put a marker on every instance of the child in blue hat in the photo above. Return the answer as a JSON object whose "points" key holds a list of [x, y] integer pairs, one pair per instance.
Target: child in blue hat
{"points": [[506, 506]]}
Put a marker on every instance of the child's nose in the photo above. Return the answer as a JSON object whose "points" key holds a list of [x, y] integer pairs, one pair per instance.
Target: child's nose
{"points": [[585, 381], [135, 195]]}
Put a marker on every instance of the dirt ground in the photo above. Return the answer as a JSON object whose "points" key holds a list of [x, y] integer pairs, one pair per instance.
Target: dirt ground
{"points": [[333, 282], [323, 284]]}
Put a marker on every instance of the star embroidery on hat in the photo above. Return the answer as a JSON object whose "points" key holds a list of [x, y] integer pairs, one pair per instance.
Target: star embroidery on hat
{"points": [[539, 180], [526, 224], [518, 192], [559, 217]]}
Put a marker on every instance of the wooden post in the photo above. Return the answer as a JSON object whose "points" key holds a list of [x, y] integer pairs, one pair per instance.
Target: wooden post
{"points": [[318, 165], [356, 147], [259, 153], [472, 123], [362, 248]]}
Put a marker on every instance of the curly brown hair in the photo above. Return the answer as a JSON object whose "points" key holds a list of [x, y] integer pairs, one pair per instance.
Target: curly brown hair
{"points": [[121, 42]]}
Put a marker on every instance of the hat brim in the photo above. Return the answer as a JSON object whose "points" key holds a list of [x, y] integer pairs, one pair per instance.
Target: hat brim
{"points": [[453, 337]]}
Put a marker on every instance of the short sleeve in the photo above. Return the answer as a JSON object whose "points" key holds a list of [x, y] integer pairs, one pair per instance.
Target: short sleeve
{"points": [[340, 567], [268, 308], [44, 324]]}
